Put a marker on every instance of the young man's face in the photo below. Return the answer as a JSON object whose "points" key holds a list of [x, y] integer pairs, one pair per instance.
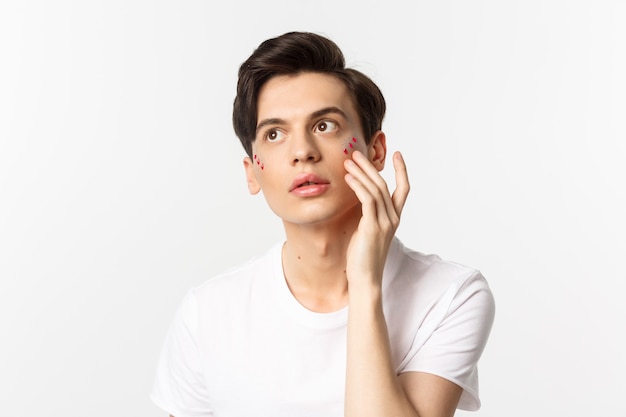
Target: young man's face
{"points": [[307, 126]]}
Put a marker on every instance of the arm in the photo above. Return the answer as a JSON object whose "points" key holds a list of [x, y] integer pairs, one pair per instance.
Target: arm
{"points": [[372, 387]]}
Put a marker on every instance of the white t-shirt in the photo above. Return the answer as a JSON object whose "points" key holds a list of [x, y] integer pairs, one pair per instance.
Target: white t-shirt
{"points": [[241, 345]]}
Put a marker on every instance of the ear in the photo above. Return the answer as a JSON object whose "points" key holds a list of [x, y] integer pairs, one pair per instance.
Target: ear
{"points": [[377, 150], [253, 184]]}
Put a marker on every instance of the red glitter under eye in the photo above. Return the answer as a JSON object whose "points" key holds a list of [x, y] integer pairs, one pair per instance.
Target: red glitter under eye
{"points": [[349, 145], [258, 162]]}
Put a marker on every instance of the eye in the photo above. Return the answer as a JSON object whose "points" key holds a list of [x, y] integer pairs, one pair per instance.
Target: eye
{"points": [[326, 126], [274, 135]]}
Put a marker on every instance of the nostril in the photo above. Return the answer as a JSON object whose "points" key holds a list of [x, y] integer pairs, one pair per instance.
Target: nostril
{"points": [[305, 155]]}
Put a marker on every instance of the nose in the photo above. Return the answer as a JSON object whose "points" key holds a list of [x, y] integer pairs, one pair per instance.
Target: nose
{"points": [[304, 149]]}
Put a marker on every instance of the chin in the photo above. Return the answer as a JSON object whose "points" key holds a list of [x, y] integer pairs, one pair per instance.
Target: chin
{"points": [[322, 215]]}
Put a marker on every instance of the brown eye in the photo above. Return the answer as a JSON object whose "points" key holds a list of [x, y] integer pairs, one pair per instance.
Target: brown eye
{"points": [[326, 126], [273, 135]]}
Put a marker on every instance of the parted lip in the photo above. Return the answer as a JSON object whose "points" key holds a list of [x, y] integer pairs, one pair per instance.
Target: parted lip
{"points": [[307, 178]]}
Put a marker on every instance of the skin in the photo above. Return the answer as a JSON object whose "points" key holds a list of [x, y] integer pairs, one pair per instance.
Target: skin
{"points": [[337, 240]]}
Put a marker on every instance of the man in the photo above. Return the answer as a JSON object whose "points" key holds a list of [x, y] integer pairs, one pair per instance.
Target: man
{"points": [[340, 319]]}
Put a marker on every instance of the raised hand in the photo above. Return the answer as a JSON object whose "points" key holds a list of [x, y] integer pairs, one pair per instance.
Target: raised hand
{"points": [[381, 210]]}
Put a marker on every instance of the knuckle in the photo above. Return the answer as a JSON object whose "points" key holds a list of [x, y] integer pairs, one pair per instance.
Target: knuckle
{"points": [[367, 199]]}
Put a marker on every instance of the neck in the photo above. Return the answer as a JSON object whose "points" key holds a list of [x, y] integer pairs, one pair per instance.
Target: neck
{"points": [[314, 262]]}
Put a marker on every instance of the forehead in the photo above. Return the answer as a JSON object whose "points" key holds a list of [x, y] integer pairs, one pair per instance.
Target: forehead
{"points": [[293, 95]]}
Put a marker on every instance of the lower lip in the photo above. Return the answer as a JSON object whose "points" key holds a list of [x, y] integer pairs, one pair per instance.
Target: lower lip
{"points": [[310, 190]]}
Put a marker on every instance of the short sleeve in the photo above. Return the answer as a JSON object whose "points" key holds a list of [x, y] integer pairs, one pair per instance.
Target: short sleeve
{"points": [[179, 386], [464, 318]]}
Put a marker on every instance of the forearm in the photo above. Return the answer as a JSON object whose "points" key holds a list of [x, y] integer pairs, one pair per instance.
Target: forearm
{"points": [[372, 386]]}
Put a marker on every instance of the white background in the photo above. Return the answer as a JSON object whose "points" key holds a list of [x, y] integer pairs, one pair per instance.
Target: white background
{"points": [[121, 182]]}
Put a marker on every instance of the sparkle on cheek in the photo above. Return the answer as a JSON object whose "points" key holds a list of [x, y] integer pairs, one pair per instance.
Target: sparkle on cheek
{"points": [[258, 162], [349, 145]]}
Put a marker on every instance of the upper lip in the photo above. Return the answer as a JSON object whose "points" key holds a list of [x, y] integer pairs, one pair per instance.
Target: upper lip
{"points": [[304, 178]]}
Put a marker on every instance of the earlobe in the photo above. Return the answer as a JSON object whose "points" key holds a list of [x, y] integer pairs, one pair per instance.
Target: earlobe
{"points": [[378, 150], [253, 183]]}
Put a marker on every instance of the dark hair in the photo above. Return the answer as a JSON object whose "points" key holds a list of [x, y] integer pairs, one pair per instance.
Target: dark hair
{"points": [[293, 53]]}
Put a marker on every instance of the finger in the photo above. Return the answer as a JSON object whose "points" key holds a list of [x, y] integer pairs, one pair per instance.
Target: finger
{"points": [[375, 185], [402, 183], [368, 202], [379, 182]]}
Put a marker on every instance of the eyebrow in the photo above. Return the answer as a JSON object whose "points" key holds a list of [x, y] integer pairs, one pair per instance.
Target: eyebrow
{"points": [[314, 115], [328, 110], [266, 122]]}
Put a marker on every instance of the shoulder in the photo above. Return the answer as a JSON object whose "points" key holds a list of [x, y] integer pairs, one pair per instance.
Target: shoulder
{"points": [[429, 272], [226, 297], [239, 279], [428, 288]]}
